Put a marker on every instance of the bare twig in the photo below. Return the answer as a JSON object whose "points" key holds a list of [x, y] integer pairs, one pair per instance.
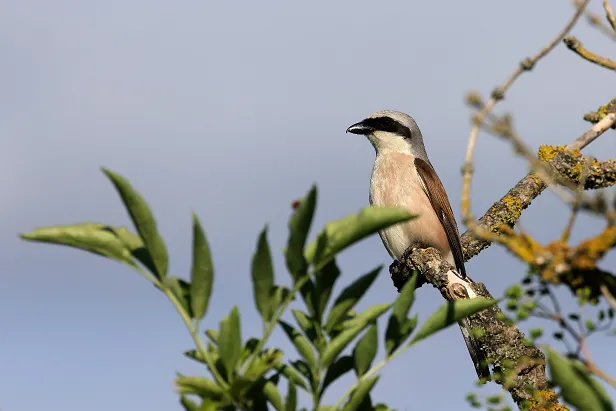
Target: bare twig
{"points": [[578, 48], [608, 296], [595, 131], [578, 200], [609, 14], [497, 95], [596, 20]]}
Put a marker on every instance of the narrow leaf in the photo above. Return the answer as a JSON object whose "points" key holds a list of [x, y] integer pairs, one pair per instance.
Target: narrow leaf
{"points": [[325, 279], [230, 341], [346, 231], [273, 395], [188, 404], [336, 370], [212, 335], [299, 228], [301, 367], [144, 222], [181, 290], [292, 375], [449, 313], [263, 277], [578, 388], [201, 386], [306, 324], [301, 343], [349, 297], [394, 335], [291, 403], [367, 316], [365, 350], [202, 274], [342, 340], [92, 237], [360, 393]]}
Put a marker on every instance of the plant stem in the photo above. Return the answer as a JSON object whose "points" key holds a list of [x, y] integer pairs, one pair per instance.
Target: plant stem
{"points": [[195, 336], [270, 328], [372, 371], [192, 329]]}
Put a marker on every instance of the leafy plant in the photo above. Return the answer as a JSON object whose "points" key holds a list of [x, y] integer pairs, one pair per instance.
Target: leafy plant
{"points": [[245, 374]]}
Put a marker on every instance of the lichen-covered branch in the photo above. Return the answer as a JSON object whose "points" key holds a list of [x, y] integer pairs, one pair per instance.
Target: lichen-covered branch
{"points": [[568, 164], [517, 365], [508, 209], [578, 48]]}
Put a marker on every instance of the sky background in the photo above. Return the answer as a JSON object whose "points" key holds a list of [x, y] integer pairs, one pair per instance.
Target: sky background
{"points": [[233, 110]]}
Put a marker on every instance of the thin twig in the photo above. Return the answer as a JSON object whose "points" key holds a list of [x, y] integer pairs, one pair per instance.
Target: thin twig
{"points": [[578, 200], [578, 48], [609, 14], [596, 20], [595, 131], [497, 95], [608, 296]]}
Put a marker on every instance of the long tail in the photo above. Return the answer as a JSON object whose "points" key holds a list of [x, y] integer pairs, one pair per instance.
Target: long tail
{"points": [[474, 349]]}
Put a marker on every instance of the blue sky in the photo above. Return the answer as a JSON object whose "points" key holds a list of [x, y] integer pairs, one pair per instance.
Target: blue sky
{"points": [[234, 111]]}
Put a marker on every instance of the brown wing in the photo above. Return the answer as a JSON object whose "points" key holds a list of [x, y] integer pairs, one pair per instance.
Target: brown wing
{"points": [[440, 202]]}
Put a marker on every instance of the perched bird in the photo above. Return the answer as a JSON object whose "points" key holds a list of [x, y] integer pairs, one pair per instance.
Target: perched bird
{"points": [[402, 176]]}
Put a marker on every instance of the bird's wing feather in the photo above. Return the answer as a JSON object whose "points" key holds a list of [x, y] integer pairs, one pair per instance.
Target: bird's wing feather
{"points": [[440, 202]]}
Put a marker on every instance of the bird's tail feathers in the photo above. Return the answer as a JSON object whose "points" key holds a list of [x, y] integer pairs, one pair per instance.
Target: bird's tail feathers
{"points": [[474, 349]]}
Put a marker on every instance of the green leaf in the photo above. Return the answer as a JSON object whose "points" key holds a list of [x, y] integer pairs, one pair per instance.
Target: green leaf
{"points": [[398, 327], [249, 349], [360, 393], [299, 228], [202, 274], [578, 388], [212, 335], [144, 222], [201, 386], [305, 323], [230, 341], [325, 279], [181, 290], [134, 243], [349, 297], [273, 396], [336, 370], [342, 340], [265, 361], [95, 238], [301, 343], [346, 231], [291, 403], [367, 316], [263, 277], [292, 375], [303, 368], [449, 313], [365, 350], [188, 404]]}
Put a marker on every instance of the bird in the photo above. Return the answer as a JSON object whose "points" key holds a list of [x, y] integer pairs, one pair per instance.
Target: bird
{"points": [[402, 176]]}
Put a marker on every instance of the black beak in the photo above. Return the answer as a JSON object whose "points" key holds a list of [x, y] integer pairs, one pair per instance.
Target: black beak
{"points": [[360, 128]]}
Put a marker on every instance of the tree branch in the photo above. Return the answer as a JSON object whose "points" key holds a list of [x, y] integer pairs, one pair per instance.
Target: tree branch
{"points": [[578, 48], [516, 364], [509, 208]]}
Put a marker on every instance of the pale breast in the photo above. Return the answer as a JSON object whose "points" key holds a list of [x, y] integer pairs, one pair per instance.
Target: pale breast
{"points": [[395, 182]]}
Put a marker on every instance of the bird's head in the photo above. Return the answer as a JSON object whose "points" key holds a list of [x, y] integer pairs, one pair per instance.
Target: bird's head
{"points": [[391, 131]]}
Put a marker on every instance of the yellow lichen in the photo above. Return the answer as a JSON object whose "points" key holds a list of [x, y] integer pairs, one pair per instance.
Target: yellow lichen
{"points": [[545, 400]]}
